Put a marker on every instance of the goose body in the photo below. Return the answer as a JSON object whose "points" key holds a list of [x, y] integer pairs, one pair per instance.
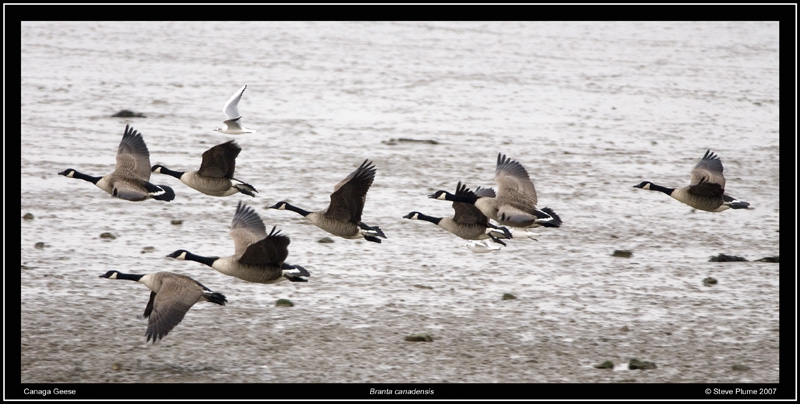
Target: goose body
{"points": [[468, 222], [515, 202], [131, 177], [259, 257], [233, 121], [707, 189], [171, 296], [215, 176], [342, 217]]}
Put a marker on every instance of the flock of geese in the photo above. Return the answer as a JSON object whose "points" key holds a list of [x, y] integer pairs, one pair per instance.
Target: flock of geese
{"points": [[260, 256]]}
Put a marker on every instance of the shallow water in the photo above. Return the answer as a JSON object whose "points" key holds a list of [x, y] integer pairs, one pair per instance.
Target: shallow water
{"points": [[590, 109]]}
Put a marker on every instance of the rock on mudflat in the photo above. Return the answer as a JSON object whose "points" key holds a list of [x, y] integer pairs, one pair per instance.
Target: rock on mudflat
{"points": [[284, 303], [392, 142], [40, 245], [605, 365], [775, 259], [709, 281], [508, 296], [419, 338], [28, 216], [622, 253], [740, 368], [726, 258], [641, 365], [325, 240], [176, 221], [108, 236], [126, 113]]}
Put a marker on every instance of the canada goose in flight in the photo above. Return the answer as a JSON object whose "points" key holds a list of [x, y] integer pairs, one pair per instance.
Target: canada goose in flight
{"points": [[468, 222], [131, 176], [215, 176], [343, 216], [171, 296], [707, 190], [515, 203], [259, 257], [233, 123]]}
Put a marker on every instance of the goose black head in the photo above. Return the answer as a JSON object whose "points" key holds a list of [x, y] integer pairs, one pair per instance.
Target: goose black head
{"points": [[157, 168], [280, 205], [68, 172], [110, 274], [644, 185], [442, 195], [179, 254], [413, 215]]}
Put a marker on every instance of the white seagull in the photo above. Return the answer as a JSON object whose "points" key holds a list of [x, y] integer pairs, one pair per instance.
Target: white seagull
{"points": [[233, 125], [482, 246]]}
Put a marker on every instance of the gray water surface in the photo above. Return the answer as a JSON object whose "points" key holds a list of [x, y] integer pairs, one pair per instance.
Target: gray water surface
{"points": [[590, 109]]}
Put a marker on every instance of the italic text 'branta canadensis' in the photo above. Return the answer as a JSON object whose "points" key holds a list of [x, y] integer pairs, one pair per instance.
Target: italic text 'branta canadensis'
{"points": [[171, 296], [259, 257], [707, 189], [468, 222], [515, 203], [131, 177], [215, 176], [233, 121], [343, 216]]}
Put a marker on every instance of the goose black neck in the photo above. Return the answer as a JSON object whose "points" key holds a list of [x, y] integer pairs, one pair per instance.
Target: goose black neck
{"points": [[130, 277], [654, 187], [176, 174], [293, 208], [462, 198], [199, 258], [434, 220], [85, 177]]}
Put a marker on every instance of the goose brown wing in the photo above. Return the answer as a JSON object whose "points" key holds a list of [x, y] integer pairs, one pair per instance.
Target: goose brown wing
{"points": [[467, 213], [170, 305], [220, 160], [246, 229], [272, 250], [515, 187], [707, 178], [350, 194], [132, 155]]}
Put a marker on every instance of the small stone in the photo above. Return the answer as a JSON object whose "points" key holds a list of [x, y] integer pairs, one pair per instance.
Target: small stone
{"points": [[148, 249], [709, 281], [726, 258], [740, 368], [108, 236], [408, 140], [419, 338], [28, 216], [775, 259], [284, 303], [641, 365], [176, 221], [605, 365], [624, 328], [508, 296], [116, 366], [126, 113], [325, 240], [422, 286], [622, 253], [40, 245]]}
